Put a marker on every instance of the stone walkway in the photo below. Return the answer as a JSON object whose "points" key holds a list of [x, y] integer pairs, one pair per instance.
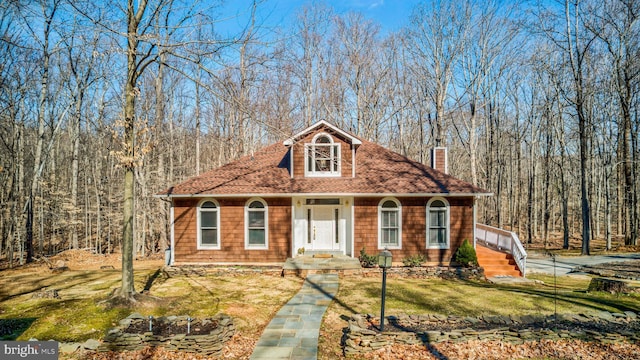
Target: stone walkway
{"points": [[293, 333]]}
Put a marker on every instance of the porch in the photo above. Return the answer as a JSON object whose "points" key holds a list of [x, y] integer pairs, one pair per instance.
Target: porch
{"points": [[500, 253], [321, 262]]}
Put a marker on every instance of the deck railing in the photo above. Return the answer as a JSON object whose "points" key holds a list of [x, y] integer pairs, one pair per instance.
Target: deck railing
{"points": [[503, 240]]}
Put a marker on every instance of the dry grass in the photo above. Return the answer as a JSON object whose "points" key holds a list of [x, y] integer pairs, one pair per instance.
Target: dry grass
{"points": [[464, 298], [82, 311]]}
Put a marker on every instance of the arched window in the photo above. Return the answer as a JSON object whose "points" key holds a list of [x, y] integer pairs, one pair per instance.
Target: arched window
{"points": [[389, 224], [323, 157], [438, 224], [208, 225], [256, 228]]}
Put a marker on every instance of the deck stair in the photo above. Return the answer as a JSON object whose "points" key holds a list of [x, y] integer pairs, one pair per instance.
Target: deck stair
{"points": [[496, 263]]}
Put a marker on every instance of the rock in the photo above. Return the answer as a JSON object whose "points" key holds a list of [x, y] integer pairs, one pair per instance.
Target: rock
{"points": [[68, 348], [631, 315], [58, 270], [136, 316], [471, 320], [91, 344], [608, 285], [46, 294], [605, 315]]}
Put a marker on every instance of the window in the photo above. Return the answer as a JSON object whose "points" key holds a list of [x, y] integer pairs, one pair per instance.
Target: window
{"points": [[208, 228], [323, 201], [390, 224], [336, 224], [256, 224], [323, 157], [438, 224]]}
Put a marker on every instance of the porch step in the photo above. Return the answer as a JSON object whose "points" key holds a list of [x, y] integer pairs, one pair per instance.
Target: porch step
{"points": [[496, 263], [308, 264], [323, 253]]}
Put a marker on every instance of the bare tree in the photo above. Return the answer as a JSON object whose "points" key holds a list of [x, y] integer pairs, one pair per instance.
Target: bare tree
{"points": [[616, 23], [438, 35]]}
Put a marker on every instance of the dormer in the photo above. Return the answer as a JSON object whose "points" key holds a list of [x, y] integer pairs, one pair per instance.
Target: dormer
{"points": [[322, 150]]}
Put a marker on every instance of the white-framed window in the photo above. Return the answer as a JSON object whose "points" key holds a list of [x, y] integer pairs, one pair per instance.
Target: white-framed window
{"points": [[389, 224], [438, 224], [208, 225], [256, 219], [322, 156]]}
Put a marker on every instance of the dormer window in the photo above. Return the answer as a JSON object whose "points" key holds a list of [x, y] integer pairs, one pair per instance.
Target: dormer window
{"points": [[323, 157]]}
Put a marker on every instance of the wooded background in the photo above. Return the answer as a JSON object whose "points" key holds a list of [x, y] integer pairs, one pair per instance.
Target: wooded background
{"points": [[538, 103]]}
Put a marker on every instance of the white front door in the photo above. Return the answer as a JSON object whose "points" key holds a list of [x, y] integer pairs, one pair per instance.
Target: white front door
{"points": [[324, 228]]}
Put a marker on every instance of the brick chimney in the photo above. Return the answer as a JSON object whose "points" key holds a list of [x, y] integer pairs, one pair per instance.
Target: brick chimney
{"points": [[439, 159]]}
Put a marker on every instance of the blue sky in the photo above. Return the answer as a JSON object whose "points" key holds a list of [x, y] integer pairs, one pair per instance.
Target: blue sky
{"points": [[390, 14]]}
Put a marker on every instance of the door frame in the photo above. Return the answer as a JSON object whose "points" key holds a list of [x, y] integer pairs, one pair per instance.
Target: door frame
{"points": [[336, 239], [300, 208]]}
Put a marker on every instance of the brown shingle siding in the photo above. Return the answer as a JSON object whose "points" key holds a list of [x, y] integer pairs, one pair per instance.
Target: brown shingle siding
{"points": [[414, 226], [232, 232]]}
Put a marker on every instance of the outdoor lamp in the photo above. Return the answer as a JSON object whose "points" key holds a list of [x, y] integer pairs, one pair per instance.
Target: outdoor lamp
{"points": [[384, 261]]}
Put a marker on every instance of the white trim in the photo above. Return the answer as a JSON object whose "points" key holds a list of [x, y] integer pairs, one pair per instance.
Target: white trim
{"points": [[172, 235], [353, 229], [265, 211], [286, 195], [475, 223], [293, 228], [353, 161], [335, 157], [399, 205], [290, 141], [447, 221], [291, 162], [199, 246]]}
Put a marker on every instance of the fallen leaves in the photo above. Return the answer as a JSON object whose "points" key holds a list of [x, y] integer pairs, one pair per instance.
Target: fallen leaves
{"points": [[496, 350]]}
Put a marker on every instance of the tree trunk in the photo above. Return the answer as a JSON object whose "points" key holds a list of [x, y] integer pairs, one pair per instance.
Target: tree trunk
{"points": [[127, 289], [75, 171]]}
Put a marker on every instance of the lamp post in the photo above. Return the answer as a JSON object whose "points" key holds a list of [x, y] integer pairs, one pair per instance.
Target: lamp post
{"points": [[384, 261]]}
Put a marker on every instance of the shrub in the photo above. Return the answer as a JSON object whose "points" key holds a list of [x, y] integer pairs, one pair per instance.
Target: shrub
{"points": [[466, 255], [414, 260], [367, 261]]}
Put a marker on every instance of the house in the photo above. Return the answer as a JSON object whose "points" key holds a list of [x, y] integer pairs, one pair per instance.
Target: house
{"points": [[321, 190]]}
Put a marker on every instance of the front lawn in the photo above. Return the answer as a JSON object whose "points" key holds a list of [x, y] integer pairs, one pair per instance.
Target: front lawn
{"points": [[464, 298], [82, 310]]}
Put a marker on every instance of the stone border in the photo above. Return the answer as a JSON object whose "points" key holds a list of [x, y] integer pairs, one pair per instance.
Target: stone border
{"points": [[216, 270], [360, 338], [417, 272], [425, 272], [210, 344]]}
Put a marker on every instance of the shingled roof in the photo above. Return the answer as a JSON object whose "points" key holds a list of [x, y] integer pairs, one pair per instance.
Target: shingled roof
{"points": [[379, 171]]}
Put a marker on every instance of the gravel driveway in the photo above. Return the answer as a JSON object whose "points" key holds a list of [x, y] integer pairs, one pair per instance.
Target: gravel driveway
{"points": [[566, 264]]}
